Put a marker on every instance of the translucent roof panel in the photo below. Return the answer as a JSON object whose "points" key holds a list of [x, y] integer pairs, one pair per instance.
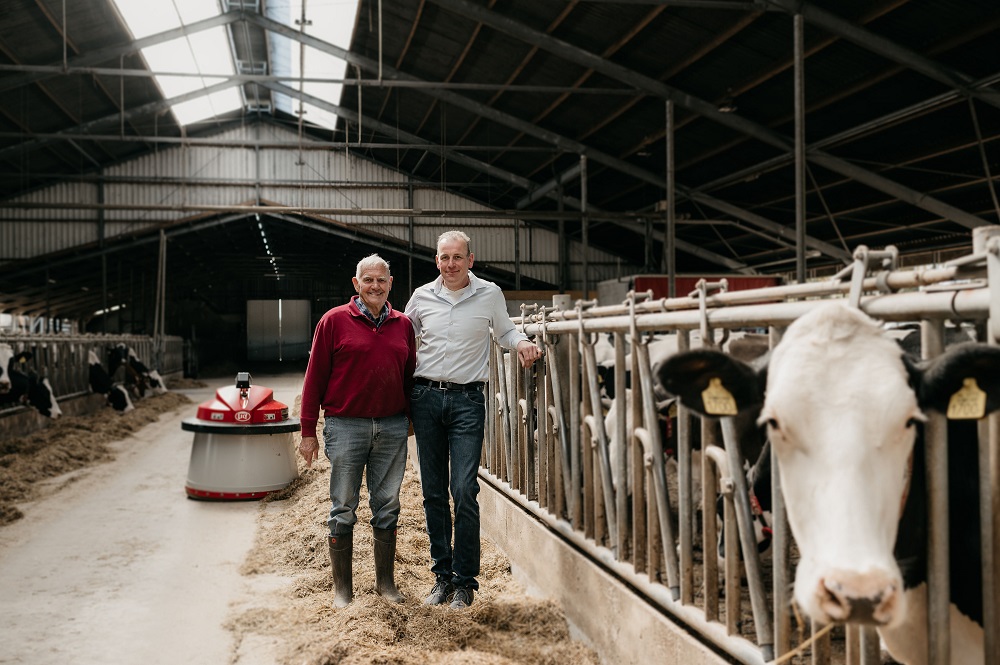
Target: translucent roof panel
{"points": [[204, 53], [331, 21]]}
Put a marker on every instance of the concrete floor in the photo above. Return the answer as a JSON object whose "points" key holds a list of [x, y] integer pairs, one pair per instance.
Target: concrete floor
{"points": [[119, 566]]}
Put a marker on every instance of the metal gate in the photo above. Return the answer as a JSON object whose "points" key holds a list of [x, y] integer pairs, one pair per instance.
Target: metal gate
{"points": [[546, 442]]}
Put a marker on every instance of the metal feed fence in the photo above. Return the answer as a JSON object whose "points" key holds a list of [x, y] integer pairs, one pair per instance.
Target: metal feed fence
{"points": [[546, 447], [63, 359]]}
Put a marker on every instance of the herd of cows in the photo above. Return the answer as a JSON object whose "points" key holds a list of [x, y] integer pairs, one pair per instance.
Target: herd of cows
{"points": [[843, 402], [122, 380]]}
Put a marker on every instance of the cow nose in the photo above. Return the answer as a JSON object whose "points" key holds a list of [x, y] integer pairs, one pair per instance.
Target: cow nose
{"points": [[869, 598]]}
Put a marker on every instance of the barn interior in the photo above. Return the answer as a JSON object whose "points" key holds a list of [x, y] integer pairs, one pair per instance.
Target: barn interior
{"points": [[753, 137]]}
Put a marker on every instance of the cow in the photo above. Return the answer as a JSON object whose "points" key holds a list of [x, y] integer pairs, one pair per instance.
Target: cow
{"points": [[42, 396], [14, 387], [115, 394], [118, 361], [151, 378], [100, 380], [844, 408], [25, 386], [6, 358], [118, 399], [743, 345], [758, 475]]}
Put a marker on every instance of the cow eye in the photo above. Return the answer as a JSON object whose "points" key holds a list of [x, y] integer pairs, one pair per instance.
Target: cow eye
{"points": [[772, 423], [912, 422]]}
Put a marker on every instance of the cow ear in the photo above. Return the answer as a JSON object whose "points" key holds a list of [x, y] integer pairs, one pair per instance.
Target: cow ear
{"points": [[965, 379], [705, 378]]}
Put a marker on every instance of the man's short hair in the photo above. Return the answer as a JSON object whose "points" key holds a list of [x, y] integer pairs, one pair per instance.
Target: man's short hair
{"points": [[370, 262], [448, 236]]}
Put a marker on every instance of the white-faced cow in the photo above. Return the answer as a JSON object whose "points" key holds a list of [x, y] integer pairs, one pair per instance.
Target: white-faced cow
{"points": [[843, 407]]}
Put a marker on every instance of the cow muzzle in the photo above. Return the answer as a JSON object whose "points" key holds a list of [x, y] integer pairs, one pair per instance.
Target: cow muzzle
{"points": [[872, 597]]}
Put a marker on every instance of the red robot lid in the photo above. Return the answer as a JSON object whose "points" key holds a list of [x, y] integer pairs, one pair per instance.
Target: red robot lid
{"points": [[243, 404]]}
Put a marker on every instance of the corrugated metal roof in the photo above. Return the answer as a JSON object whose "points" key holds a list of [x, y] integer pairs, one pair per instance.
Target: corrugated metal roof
{"points": [[886, 91]]}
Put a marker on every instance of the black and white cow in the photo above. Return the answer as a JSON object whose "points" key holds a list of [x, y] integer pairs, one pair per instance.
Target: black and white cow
{"points": [[23, 385], [138, 378], [42, 396], [118, 398], [115, 393], [843, 406], [151, 379]]}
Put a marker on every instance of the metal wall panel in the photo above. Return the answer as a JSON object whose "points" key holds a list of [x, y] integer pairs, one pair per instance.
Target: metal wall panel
{"points": [[221, 163], [63, 192], [307, 178], [22, 240]]}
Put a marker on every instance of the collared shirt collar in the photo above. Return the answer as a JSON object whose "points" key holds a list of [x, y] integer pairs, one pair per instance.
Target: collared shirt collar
{"points": [[382, 316], [439, 286]]}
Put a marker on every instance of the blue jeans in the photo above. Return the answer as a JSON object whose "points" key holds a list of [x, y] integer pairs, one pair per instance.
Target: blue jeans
{"points": [[449, 426], [352, 445]]}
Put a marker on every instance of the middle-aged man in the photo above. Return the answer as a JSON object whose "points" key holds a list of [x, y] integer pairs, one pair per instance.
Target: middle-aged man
{"points": [[452, 316], [361, 372]]}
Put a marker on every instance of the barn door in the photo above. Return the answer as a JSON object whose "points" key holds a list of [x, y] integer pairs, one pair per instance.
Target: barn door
{"points": [[278, 330]]}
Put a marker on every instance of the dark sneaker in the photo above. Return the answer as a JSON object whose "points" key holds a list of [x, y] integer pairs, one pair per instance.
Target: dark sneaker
{"points": [[440, 593], [462, 598]]}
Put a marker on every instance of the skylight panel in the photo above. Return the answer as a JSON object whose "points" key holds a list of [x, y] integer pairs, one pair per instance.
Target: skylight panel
{"points": [[331, 21], [205, 52], [148, 18], [195, 10]]}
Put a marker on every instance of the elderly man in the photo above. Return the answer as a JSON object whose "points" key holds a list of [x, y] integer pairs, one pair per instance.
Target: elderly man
{"points": [[452, 316], [361, 372]]}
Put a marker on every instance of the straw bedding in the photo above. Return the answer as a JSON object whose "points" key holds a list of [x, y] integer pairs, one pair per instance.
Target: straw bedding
{"points": [[503, 626]]}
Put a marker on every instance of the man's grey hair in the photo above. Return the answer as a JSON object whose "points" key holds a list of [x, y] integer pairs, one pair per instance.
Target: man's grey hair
{"points": [[370, 262], [449, 236]]}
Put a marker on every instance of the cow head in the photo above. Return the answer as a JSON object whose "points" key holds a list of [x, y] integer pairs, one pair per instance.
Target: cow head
{"points": [[841, 406], [42, 397], [156, 383]]}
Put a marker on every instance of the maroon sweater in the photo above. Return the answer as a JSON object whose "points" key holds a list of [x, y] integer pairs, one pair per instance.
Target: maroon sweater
{"points": [[357, 371]]}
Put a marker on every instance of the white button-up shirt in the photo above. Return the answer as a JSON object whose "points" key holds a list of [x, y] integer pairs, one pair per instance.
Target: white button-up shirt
{"points": [[453, 336]]}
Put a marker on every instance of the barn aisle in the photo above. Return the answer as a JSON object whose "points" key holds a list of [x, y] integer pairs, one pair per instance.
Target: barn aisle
{"points": [[118, 566]]}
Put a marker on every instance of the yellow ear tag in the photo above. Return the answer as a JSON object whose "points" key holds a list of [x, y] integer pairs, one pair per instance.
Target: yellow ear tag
{"points": [[969, 403], [718, 401]]}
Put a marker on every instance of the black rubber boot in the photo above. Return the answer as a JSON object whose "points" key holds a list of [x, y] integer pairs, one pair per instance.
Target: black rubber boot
{"points": [[341, 553], [385, 560]]}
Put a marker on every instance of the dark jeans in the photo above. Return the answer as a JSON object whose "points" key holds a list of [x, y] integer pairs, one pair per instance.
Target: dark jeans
{"points": [[449, 427]]}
